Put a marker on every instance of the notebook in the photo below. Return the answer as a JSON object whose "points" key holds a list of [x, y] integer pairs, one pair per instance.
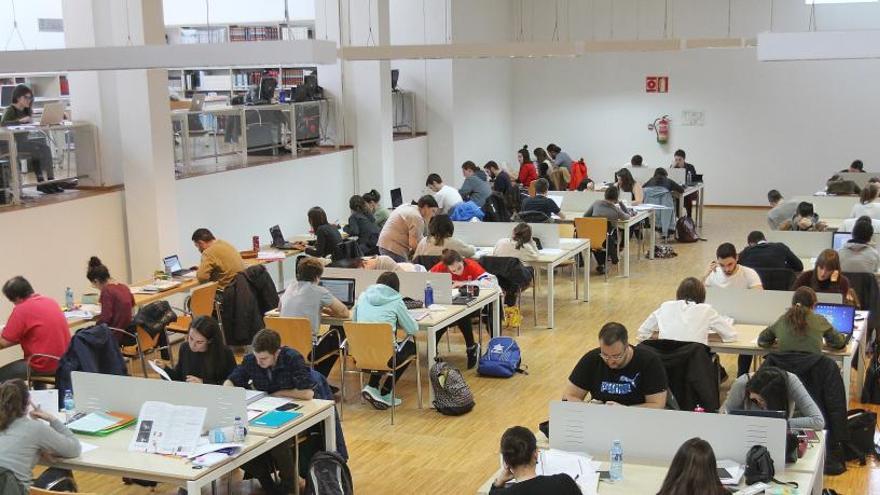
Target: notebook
{"points": [[275, 419]]}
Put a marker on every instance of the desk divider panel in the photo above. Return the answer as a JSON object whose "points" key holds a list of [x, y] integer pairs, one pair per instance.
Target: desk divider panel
{"points": [[830, 206], [860, 178], [756, 307], [412, 284], [578, 201], [486, 234], [126, 394], [654, 435], [803, 244]]}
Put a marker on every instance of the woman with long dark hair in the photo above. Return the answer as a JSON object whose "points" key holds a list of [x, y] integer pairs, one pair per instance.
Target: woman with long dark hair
{"points": [[774, 389], [693, 470], [441, 232], [327, 235], [116, 299], [825, 276], [800, 329], [519, 452], [204, 357], [380, 213], [362, 225], [627, 183], [528, 173]]}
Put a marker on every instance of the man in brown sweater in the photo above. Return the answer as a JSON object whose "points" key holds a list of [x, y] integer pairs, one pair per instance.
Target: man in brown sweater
{"points": [[220, 263], [405, 228]]}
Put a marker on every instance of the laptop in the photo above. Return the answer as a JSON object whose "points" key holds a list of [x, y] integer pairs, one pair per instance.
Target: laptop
{"points": [[278, 241], [53, 114], [341, 288], [396, 197], [173, 268], [679, 175], [841, 316], [838, 239], [197, 103]]}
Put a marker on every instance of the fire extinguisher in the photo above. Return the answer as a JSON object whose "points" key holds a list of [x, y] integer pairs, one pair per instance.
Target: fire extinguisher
{"points": [[661, 128]]}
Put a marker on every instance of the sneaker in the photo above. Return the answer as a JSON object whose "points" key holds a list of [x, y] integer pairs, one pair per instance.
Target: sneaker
{"points": [[473, 353], [387, 399], [372, 395]]}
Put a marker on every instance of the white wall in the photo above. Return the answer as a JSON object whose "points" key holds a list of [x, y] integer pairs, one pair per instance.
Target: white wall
{"points": [[410, 167], [50, 245], [189, 12], [767, 125], [239, 204], [27, 13]]}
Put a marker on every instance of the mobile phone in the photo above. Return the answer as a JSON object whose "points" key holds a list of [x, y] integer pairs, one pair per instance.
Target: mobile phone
{"points": [[290, 406]]}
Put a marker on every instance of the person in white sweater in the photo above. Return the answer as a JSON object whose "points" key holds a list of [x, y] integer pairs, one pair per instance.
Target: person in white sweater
{"points": [[440, 232], [25, 438], [867, 205], [688, 318], [519, 245]]}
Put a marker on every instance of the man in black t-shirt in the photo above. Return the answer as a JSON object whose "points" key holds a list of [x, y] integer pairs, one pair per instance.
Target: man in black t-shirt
{"points": [[541, 202], [618, 374]]}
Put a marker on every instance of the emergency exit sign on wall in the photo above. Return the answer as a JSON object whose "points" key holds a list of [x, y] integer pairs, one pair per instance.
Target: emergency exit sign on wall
{"points": [[656, 84]]}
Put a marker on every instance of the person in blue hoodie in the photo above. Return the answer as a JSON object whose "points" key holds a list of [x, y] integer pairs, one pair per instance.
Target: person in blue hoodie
{"points": [[382, 303]]}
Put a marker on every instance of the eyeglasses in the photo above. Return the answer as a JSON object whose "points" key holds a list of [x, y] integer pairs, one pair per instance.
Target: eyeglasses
{"points": [[615, 358]]}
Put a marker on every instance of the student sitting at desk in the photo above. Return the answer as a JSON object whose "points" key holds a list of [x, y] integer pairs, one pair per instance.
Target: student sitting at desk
{"points": [[19, 113], [463, 271], [528, 172], [500, 178], [867, 205], [380, 213], [38, 325], [440, 238], [560, 158], [780, 210], [305, 298], [800, 329], [220, 262], [612, 209], [281, 372], [447, 197], [688, 318], [519, 245], [726, 273], [327, 235], [661, 179], [405, 228], [859, 255], [772, 389], [826, 276], [541, 202], [26, 438], [690, 176], [626, 183], [617, 373], [475, 188], [519, 452], [116, 299], [693, 470], [362, 225], [203, 357], [856, 167], [805, 219], [773, 255], [382, 303], [381, 263]]}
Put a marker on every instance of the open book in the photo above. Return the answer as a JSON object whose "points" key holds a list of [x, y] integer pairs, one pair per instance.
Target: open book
{"points": [[164, 428]]}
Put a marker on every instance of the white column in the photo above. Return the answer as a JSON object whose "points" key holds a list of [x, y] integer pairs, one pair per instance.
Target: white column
{"points": [[130, 109]]}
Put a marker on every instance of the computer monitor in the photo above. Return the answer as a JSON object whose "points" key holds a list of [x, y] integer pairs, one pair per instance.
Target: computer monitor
{"points": [[6, 95], [341, 288], [396, 197], [172, 264], [841, 316], [838, 239]]}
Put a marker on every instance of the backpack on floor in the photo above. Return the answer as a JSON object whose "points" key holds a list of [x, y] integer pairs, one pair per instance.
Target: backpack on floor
{"points": [[871, 387], [685, 230], [861, 425], [502, 358], [452, 396], [329, 475]]}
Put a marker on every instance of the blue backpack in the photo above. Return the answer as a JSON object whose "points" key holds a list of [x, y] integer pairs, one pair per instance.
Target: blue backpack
{"points": [[502, 358]]}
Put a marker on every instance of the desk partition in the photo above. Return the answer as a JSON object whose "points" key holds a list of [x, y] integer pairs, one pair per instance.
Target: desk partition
{"points": [[830, 206], [654, 435], [578, 201], [412, 284], [756, 307], [860, 178], [805, 244], [126, 394], [486, 234]]}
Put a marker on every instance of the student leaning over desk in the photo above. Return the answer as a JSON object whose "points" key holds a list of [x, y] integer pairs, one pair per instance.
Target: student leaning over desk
{"points": [[688, 318], [800, 329], [380, 213], [773, 389], [116, 299], [519, 452], [220, 262]]}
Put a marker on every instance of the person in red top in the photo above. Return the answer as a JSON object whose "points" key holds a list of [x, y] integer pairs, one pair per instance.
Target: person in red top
{"points": [[528, 173], [38, 325], [116, 299], [463, 270]]}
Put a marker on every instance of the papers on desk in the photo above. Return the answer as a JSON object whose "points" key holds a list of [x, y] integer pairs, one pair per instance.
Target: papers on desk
{"points": [[156, 286], [253, 395], [159, 370], [267, 403], [551, 251], [79, 314], [164, 428], [86, 447], [208, 454], [581, 468], [644, 207], [271, 255], [419, 314], [735, 469]]}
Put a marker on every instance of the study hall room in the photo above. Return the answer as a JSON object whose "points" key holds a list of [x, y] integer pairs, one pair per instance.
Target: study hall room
{"points": [[439, 247]]}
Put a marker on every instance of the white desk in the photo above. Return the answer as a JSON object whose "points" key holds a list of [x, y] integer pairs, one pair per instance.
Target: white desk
{"points": [[688, 190], [625, 225], [569, 249]]}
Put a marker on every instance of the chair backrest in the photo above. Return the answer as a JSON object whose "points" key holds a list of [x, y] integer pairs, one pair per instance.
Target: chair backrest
{"points": [[566, 230], [593, 228], [201, 303], [144, 339], [295, 333], [532, 216], [40, 491], [370, 345]]}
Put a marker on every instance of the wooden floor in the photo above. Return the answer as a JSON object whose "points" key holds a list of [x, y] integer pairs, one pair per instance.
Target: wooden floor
{"points": [[427, 453]]}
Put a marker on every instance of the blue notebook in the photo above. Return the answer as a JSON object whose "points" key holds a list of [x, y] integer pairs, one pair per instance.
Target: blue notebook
{"points": [[275, 419]]}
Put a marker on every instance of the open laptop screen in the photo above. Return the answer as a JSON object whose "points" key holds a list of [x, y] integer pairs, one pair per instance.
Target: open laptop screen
{"points": [[838, 239], [341, 288], [841, 316], [396, 197], [172, 264]]}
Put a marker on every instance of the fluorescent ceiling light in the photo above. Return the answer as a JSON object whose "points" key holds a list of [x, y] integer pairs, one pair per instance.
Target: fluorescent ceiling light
{"points": [[249, 54], [818, 45]]}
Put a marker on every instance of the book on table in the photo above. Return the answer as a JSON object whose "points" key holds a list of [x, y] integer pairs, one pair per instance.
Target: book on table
{"points": [[100, 423], [164, 428]]}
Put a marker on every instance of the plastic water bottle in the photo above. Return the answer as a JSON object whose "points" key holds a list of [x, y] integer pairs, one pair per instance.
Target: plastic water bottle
{"points": [[429, 295], [69, 406], [68, 298], [616, 471], [238, 431]]}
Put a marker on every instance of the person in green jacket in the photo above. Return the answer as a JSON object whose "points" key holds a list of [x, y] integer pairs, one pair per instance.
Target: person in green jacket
{"points": [[382, 303], [800, 329]]}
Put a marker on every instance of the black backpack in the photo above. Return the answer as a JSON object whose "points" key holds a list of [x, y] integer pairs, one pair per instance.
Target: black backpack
{"points": [[759, 465], [685, 230], [861, 425], [871, 388], [329, 475]]}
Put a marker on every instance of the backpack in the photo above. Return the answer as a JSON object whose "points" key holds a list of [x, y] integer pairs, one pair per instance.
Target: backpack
{"points": [[329, 475], [578, 174], [502, 358], [871, 388], [452, 396], [685, 230], [861, 425], [347, 249], [759, 465], [663, 251]]}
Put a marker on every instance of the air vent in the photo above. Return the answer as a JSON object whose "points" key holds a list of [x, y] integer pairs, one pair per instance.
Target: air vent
{"points": [[50, 25]]}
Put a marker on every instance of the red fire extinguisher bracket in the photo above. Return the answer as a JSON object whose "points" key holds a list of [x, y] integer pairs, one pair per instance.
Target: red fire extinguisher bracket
{"points": [[660, 126]]}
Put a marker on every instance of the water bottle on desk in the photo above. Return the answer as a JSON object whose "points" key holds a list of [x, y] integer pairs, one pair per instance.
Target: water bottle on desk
{"points": [[238, 431], [69, 406], [429, 295], [68, 299], [616, 471]]}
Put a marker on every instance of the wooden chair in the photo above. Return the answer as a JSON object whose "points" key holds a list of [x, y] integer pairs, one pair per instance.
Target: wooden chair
{"points": [[200, 302], [41, 491], [296, 333], [596, 230], [370, 349], [143, 344], [44, 379]]}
